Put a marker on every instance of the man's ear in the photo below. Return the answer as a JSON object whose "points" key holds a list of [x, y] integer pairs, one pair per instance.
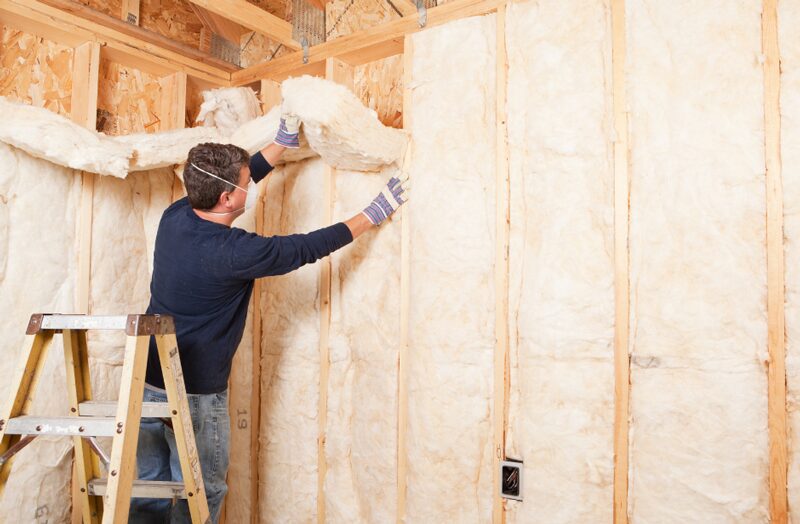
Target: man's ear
{"points": [[223, 198]]}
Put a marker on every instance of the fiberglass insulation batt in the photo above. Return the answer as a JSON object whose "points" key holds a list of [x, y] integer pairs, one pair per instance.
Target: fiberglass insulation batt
{"points": [[125, 219], [561, 304], [451, 324], [361, 435], [788, 22], [290, 353], [698, 440], [38, 268]]}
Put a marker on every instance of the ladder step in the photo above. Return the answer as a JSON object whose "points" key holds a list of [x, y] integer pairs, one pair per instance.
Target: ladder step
{"points": [[62, 426], [132, 325], [108, 408], [84, 322], [148, 489]]}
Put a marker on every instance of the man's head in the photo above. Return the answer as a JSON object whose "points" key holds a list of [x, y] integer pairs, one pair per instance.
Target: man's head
{"points": [[228, 162]]}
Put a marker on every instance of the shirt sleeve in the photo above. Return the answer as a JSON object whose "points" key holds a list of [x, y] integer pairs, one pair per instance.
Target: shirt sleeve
{"points": [[255, 256], [259, 167]]}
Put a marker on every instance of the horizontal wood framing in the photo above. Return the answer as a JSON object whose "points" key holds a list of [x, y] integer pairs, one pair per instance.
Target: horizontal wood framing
{"points": [[252, 17], [364, 46], [71, 23]]}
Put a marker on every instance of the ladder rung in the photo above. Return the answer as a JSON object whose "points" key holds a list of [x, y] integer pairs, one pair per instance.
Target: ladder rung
{"points": [[62, 426], [108, 408], [149, 489], [132, 325], [84, 322]]}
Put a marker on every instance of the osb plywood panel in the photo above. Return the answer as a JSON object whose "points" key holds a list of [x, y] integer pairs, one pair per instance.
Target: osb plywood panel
{"points": [[347, 16], [256, 48], [35, 71], [171, 18], [109, 7], [379, 85], [127, 100]]}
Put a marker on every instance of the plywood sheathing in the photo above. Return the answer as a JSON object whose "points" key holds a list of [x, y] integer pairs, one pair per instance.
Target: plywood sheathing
{"points": [[35, 70], [128, 100], [256, 48], [171, 18]]}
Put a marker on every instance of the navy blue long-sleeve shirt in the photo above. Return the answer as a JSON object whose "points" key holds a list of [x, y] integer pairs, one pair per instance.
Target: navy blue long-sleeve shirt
{"points": [[203, 276]]}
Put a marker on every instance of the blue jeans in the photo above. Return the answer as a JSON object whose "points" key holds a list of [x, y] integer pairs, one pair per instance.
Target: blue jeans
{"points": [[157, 457]]}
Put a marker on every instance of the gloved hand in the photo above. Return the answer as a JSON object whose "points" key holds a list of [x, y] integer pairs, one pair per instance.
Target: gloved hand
{"points": [[394, 195], [289, 131]]}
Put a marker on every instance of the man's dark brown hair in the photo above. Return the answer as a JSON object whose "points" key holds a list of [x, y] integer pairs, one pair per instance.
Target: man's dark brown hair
{"points": [[223, 160]]}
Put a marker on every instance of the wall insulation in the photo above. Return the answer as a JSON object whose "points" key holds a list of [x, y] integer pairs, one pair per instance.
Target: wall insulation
{"points": [[561, 304], [38, 265], [361, 436], [125, 219], [698, 440], [290, 354], [789, 21], [451, 332]]}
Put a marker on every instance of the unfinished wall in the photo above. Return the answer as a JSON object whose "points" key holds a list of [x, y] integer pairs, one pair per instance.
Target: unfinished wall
{"points": [[698, 445], [290, 354], [38, 268], [361, 434], [451, 333], [698, 439], [561, 284], [789, 20], [125, 219]]}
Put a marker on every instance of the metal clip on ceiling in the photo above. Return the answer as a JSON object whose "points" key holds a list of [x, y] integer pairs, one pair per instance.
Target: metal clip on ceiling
{"points": [[423, 13], [304, 43]]}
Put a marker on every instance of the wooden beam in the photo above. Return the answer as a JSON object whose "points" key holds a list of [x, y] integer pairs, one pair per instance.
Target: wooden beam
{"points": [[270, 97], [83, 111], [129, 11], [341, 73], [85, 76], [172, 104], [253, 18], [405, 298], [364, 46], [621, 264], [172, 114], [406, 7], [72, 23], [778, 505], [502, 221]]}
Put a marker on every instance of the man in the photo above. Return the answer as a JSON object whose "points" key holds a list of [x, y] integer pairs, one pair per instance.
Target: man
{"points": [[203, 274]]}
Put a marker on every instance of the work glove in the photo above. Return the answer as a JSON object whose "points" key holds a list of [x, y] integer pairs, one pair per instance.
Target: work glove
{"points": [[394, 195], [289, 131]]}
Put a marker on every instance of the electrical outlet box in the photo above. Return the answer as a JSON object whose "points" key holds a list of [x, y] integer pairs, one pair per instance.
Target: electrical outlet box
{"points": [[511, 479]]}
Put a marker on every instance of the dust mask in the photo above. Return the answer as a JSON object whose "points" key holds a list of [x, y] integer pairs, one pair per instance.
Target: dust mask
{"points": [[252, 193]]}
